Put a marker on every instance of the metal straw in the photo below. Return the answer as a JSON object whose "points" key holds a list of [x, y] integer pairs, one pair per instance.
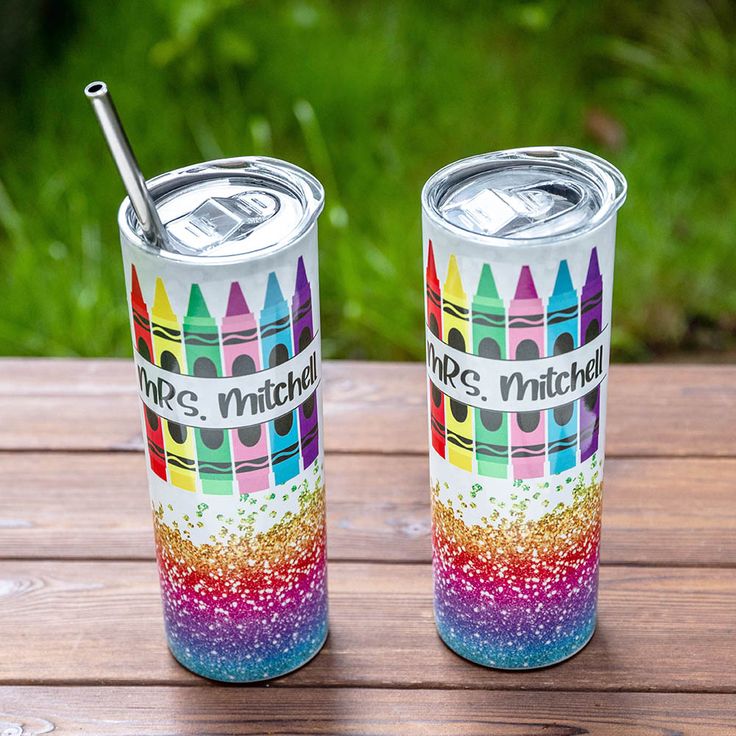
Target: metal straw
{"points": [[130, 173]]}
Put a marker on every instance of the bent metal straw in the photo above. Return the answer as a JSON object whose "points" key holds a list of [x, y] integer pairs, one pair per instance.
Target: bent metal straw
{"points": [[518, 254], [221, 271]]}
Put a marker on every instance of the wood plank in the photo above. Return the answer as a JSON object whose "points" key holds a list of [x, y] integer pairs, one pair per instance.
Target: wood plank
{"points": [[94, 505], [205, 711], [669, 410], [660, 629]]}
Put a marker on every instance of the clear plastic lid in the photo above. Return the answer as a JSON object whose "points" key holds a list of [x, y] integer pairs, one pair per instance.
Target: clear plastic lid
{"points": [[231, 208], [525, 194]]}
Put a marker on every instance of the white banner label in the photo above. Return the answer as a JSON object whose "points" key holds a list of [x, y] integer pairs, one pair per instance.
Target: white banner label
{"points": [[230, 402], [517, 385]]}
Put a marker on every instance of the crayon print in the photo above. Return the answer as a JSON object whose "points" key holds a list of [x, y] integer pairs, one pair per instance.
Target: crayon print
{"points": [[241, 355], [144, 345], [169, 354], [526, 342], [488, 317], [303, 333], [276, 348], [456, 329], [562, 337], [202, 347], [591, 318], [434, 324]]}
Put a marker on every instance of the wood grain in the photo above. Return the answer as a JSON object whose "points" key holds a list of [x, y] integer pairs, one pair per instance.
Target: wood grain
{"points": [[95, 505], [81, 636], [678, 410], [226, 710], [660, 629]]}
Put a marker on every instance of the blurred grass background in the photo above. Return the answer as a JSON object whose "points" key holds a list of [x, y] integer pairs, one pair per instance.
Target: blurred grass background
{"points": [[372, 98]]}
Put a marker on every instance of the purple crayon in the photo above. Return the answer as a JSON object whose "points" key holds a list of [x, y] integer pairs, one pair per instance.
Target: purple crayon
{"points": [[303, 330], [242, 357], [591, 316]]}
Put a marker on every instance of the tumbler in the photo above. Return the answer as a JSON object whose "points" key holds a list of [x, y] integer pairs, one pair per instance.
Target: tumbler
{"points": [[225, 321], [518, 261]]}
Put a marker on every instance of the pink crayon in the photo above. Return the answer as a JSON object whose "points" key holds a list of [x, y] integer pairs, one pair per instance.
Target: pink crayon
{"points": [[526, 342], [242, 357]]}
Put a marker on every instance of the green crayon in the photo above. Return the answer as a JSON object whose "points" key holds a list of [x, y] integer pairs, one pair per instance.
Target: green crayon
{"points": [[488, 318], [202, 345]]}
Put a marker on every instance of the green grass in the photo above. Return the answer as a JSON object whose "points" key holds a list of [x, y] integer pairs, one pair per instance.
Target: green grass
{"points": [[372, 98]]}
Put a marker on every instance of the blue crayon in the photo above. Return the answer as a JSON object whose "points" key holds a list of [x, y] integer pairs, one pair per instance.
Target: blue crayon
{"points": [[276, 348], [562, 337]]}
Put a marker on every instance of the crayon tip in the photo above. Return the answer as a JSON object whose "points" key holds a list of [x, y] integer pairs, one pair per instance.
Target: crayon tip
{"points": [[197, 305], [161, 303], [454, 283], [236, 303], [302, 281], [136, 294], [486, 284], [525, 288], [594, 271], [431, 267], [273, 291], [563, 282]]}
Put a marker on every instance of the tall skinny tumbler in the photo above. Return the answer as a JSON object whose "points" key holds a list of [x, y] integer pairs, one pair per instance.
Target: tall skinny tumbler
{"points": [[518, 261], [225, 324]]}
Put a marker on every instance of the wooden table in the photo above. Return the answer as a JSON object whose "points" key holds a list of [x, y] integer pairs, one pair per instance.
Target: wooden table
{"points": [[81, 637]]}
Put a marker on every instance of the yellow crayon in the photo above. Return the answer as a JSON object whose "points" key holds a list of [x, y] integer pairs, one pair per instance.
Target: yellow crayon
{"points": [[169, 354], [456, 333]]}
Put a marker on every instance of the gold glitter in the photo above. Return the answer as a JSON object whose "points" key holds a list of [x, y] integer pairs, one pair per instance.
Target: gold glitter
{"points": [[283, 542], [553, 534]]}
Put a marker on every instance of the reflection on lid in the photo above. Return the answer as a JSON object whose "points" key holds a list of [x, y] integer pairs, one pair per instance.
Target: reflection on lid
{"points": [[222, 219], [506, 210], [525, 194]]}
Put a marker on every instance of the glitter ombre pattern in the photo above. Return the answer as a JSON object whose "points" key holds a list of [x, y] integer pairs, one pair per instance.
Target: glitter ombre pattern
{"points": [[518, 593], [246, 606]]}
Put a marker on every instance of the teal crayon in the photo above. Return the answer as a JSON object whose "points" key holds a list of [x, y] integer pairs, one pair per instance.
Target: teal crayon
{"points": [[562, 337], [202, 346], [488, 318], [277, 348]]}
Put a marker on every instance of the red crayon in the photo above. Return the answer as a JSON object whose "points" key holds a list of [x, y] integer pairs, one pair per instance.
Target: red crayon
{"points": [[434, 322], [144, 345]]}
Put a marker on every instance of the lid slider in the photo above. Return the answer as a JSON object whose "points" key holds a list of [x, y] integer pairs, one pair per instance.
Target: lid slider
{"points": [[222, 219]]}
